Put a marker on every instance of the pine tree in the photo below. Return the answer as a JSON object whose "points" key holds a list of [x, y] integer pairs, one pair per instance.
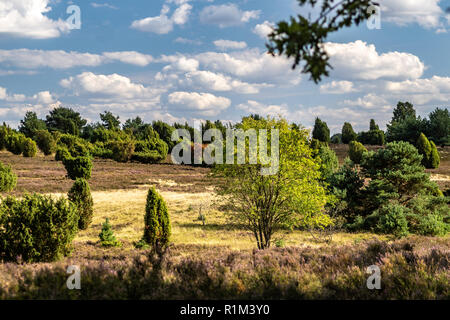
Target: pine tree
{"points": [[157, 224], [321, 131], [107, 237]]}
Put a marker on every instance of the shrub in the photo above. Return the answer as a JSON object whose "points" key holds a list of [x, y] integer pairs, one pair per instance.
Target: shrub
{"points": [[14, 143], [29, 148], [157, 223], [4, 133], [147, 157], [122, 150], [45, 142], [107, 238], [435, 159], [336, 138], [432, 225], [321, 131], [80, 195], [392, 219], [79, 167], [330, 162], [36, 228], [62, 153], [356, 151], [8, 178], [424, 148], [348, 134]]}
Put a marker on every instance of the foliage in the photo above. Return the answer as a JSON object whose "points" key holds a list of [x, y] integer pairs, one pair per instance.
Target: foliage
{"points": [[14, 143], [110, 121], [62, 153], [348, 134], [36, 228], [122, 150], [336, 138], [303, 38], [78, 167], [439, 126], [374, 136], [29, 148], [321, 131], [291, 197], [356, 151], [424, 148], [8, 179], [329, 161], [107, 237], [30, 124], [392, 220], [80, 195], [157, 223], [65, 120], [147, 157], [435, 158], [164, 131], [45, 141]]}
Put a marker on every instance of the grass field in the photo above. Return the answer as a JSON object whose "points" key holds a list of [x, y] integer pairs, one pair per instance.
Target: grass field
{"points": [[119, 192]]}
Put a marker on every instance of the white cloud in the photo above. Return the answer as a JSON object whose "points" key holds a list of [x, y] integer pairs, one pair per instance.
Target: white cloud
{"points": [[164, 24], [130, 57], [337, 87], [26, 18], [369, 101], [228, 44], [263, 29], [43, 97], [426, 13], [187, 41], [227, 15], [59, 59], [203, 103], [254, 107], [421, 91], [360, 61]]}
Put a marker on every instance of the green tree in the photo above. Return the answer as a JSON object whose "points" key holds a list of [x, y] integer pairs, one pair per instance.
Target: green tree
{"points": [[293, 196], [107, 237], [373, 125], [330, 162], [29, 148], [164, 131], [303, 38], [110, 121], [424, 148], [65, 120], [80, 195], [439, 126], [403, 111], [321, 131], [157, 223], [30, 124], [435, 158], [45, 142], [356, 151], [8, 179], [348, 134]]}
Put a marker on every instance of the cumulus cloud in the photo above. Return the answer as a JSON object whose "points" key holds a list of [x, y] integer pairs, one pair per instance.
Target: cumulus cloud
{"points": [[26, 18], [203, 103], [421, 91], [361, 61], [164, 24], [227, 15], [255, 107], [426, 13], [337, 87], [130, 57], [44, 97], [228, 44], [263, 29]]}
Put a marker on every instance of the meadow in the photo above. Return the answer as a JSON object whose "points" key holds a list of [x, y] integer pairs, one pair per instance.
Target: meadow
{"points": [[215, 251]]}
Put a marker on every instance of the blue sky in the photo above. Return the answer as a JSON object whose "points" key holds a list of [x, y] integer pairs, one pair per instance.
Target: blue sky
{"points": [[185, 60]]}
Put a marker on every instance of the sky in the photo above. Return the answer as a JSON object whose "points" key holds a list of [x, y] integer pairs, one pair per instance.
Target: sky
{"points": [[187, 60]]}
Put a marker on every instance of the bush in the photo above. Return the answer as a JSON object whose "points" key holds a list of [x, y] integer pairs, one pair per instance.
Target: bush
{"points": [[348, 134], [336, 138], [4, 133], [45, 142], [330, 162], [36, 228], [424, 148], [80, 195], [62, 153], [14, 143], [122, 150], [392, 219], [8, 178], [29, 148], [435, 159], [147, 157], [79, 167], [157, 223], [107, 238], [356, 151], [432, 225]]}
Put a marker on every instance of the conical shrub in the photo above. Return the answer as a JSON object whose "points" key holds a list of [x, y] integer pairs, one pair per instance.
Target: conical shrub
{"points": [[435, 159], [80, 195], [424, 148], [157, 224]]}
